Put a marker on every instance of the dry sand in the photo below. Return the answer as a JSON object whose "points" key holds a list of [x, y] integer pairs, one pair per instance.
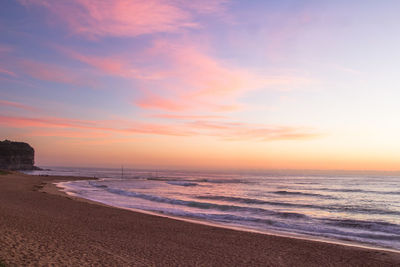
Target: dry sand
{"points": [[40, 228]]}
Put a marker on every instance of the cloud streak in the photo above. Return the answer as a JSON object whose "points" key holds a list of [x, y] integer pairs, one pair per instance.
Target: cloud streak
{"points": [[17, 105], [196, 80], [55, 73], [185, 77], [224, 130], [127, 18], [187, 117], [7, 72], [259, 132]]}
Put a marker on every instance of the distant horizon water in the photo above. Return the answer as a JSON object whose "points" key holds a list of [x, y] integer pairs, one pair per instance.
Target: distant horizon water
{"points": [[359, 207], [154, 169]]}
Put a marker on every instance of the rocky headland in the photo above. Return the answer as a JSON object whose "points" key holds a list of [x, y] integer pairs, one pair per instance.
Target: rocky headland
{"points": [[16, 156]]}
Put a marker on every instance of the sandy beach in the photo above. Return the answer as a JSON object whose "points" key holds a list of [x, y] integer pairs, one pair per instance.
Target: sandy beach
{"points": [[45, 227]]}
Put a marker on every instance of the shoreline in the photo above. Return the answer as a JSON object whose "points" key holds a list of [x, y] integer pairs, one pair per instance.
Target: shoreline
{"points": [[42, 227], [53, 188]]}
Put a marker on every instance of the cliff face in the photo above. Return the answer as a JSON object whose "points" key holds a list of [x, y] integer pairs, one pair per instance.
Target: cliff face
{"points": [[16, 156]]}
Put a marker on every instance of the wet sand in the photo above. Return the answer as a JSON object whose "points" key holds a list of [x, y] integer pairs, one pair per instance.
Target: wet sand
{"points": [[40, 226]]}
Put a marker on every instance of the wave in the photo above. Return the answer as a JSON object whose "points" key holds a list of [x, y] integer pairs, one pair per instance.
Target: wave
{"points": [[229, 218], [338, 208], [160, 179], [205, 205], [352, 235], [97, 185], [201, 180], [182, 183], [344, 190], [225, 181], [375, 226], [296, 193], [311, 229]]}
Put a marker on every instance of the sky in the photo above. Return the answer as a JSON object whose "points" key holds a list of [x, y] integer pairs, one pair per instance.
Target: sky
{"points": [[206, 84]]}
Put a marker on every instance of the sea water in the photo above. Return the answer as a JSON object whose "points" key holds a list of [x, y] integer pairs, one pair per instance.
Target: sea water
{"points": [[360, 208]]}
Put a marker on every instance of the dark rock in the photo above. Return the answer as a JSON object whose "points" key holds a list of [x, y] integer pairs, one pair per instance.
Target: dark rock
{"points": [[16, 156]]}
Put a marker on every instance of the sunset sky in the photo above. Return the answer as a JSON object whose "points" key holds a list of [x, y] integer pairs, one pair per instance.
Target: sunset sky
{"points": [[203, 83]]}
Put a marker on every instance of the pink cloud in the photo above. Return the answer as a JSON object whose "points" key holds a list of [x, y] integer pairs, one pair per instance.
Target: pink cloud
{"points": [[183, 77], [95, 126], [132, 66], [196, 80], [94, 18], [157, 102], [6, 49], [114, 66], [203, 6], [45, 122], [107, 65], [17, 105], [55, 73], [183, 72], [191, 78], [183, 103], [159, 129], [68, 134], [225, 130], [187, 117], [246, 131], [7, 72]]}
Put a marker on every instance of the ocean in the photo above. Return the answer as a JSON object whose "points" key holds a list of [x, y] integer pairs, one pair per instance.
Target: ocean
{"points": [[356, 208]]}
